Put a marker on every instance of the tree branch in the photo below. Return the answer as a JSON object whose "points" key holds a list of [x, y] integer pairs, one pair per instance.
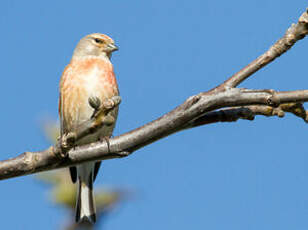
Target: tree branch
{"points": [[195, 111], [293, 34], [123, 145], [249, 113]]}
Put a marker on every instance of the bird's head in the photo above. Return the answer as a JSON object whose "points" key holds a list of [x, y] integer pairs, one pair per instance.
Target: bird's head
{"points": [[95, 45]]}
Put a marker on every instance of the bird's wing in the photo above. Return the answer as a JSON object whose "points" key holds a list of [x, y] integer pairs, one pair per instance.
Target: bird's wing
{"points": [[63, 128]]}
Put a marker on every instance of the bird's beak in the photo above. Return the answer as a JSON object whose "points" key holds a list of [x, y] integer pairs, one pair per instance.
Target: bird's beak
{"points": [[113, 47]]}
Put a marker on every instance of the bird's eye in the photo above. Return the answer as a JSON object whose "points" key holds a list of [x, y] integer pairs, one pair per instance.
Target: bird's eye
{"points": [[98, 41]]}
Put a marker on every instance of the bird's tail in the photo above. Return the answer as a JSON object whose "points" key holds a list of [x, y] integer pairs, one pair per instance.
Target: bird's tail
{"points": [[85, 207]]}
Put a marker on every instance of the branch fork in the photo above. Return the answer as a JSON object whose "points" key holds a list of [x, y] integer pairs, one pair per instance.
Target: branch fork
{"points": [[101, 116]]}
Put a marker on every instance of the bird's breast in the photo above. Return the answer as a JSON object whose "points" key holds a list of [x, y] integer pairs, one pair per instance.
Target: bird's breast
{"points": [[82, 79], [96, 77]]}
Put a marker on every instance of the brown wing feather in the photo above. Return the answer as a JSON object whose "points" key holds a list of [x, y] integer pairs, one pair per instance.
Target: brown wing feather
{"points": [[61, 111], [72, 170]]}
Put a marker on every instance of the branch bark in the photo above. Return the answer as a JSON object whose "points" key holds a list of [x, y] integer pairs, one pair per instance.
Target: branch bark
{"points": [[195, 111], [176, 120], [249, 113]]}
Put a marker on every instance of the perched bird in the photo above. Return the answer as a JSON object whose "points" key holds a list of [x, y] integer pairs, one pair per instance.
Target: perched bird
{"points": [[89, 75]]}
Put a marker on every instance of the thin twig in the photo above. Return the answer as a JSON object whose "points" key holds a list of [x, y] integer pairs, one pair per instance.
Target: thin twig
{"points": [[249, 113], [293, 34]]}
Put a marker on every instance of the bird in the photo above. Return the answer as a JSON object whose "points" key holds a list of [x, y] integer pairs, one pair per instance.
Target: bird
{"points": [[89, 74]]}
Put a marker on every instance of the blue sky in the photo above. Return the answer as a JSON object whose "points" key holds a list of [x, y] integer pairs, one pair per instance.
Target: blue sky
{"points": [[244, 175]]}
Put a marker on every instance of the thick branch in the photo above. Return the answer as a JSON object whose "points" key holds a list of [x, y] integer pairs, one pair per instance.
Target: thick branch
{"points": [[123, 145]]}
